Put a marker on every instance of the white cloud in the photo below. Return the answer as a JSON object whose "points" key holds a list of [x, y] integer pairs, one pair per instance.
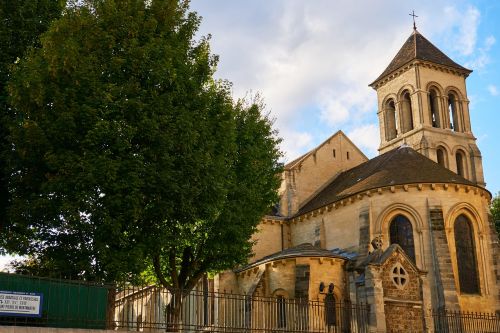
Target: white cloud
{"points": [[489, 42], [366, 137], [295, 143], [337, 107], [482, 57], [493, 90], [465, 24], [321, 55]]}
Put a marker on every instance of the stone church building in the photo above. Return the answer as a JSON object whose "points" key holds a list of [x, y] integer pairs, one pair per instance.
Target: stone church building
{"points": [[407, 232]]}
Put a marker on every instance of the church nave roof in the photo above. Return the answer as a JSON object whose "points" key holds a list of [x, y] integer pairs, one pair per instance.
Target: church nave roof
{"points": [[399, 166]]}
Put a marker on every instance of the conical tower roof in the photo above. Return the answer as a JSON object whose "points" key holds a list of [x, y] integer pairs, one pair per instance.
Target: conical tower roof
{"points": [[417, 47]]}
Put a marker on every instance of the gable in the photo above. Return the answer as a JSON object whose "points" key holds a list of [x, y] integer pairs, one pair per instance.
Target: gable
{"points": [[308, 174]]}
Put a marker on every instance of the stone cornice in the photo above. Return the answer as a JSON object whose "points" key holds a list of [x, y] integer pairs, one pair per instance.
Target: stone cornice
{"points": [[475, 190], [414, 63]]}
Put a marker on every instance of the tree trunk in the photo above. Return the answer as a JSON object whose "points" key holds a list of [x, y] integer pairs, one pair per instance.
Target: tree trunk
{"points": [[173, 312]]}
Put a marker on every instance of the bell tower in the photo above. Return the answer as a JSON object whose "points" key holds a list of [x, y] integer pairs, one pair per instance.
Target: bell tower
{"points": [[422, 102]]}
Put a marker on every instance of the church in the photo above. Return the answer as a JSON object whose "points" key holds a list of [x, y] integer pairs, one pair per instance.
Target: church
{"points": [[406, 233]]}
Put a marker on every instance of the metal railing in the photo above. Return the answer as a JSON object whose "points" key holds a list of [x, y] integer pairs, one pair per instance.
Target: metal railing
{"points": [[466, 322], [156, 309]]}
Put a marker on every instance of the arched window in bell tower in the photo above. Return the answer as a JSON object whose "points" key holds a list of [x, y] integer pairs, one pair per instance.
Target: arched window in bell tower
{"points": [[434, 108], [441, 156], [406, 112], [454, 112], [391, 130], [460, 159]]}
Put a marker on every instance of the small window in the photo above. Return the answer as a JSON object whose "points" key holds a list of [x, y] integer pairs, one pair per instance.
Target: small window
{"points": [[248, 311], [406, 112], [334, 153], [460, 163], [281, 307], [399, 276], [454, 113], [391, 127], [434, 108], [330, 311], [440, 157], [347, 155]]}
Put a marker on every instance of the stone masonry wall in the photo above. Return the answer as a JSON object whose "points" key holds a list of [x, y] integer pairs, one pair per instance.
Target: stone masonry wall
{"points": [[403, 318], [403, 305], [447, 294], [410, 291]]}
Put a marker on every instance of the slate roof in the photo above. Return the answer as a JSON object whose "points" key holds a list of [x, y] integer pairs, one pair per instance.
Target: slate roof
{"points": [[379, 256], [302, 250], [399, 166], [419, 47]]}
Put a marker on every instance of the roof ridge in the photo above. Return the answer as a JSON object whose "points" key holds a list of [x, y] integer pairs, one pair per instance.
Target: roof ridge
{"points": [[415, 42]]}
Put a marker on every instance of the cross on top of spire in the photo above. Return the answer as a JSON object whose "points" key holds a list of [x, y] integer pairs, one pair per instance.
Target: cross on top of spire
{"points": [[413, 14]]}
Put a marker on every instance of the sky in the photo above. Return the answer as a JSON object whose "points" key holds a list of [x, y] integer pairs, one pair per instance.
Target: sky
{"points": [[312, 61]]}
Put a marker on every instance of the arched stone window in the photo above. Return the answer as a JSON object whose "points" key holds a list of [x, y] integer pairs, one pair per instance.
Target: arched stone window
{"points": [[460, 159], [401, 233], [406, 112], [466, 256], [454, 112], [434, 108], [390, 120], [441, 156]]}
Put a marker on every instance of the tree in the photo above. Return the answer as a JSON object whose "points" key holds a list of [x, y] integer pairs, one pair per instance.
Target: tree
{"points": [[22, 22], [128, 154], [495, 212]]}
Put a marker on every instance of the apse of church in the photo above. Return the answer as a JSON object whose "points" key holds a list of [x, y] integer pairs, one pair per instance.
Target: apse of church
{"points": [[409, 229]]}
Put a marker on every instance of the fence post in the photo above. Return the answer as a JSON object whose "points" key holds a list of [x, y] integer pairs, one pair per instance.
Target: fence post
{"points": [[110, 308]]}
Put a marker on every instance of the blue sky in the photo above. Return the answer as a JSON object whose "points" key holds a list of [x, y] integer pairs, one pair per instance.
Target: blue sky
{"points": [[312, 62]]}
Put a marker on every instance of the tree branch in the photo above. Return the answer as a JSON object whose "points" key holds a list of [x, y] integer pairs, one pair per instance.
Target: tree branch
{"points": [[159, 273], [173, 269]]}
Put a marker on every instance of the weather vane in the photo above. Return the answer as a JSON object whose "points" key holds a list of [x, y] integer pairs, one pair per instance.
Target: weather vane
{"points": [[413, 14]]}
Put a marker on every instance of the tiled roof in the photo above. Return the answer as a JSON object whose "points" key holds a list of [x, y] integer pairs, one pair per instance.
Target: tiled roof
{"points": [[399, 166], [302, 250], [419, 47]]}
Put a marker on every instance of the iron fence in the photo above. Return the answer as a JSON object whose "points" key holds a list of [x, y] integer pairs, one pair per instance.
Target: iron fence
{"points": [[448, 321], [155, 309], [77, 304]]}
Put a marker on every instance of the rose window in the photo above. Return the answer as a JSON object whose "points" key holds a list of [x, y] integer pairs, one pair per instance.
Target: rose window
{"points": [[399, 276]]}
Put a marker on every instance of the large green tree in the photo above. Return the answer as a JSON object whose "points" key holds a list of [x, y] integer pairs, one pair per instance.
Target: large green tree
{"points": [[128, 154], [495, 212], [21, 22]]}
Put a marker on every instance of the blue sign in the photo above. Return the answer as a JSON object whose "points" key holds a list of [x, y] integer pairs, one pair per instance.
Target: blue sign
{"points": [[20, 304]]}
